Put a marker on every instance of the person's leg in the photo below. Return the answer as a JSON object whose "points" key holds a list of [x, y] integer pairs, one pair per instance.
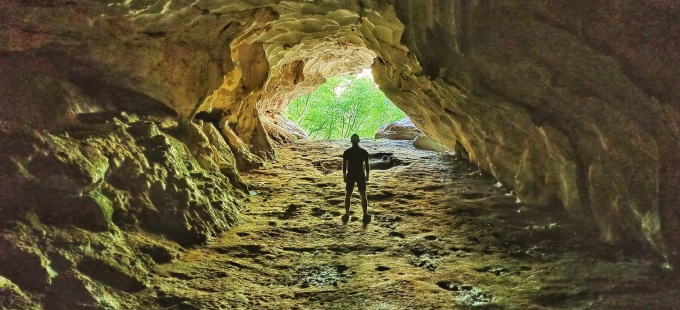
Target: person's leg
{"points": [[364, 200], [349, 188]]}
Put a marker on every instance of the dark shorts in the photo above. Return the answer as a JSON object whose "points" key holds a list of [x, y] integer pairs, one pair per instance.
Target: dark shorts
{"points": [[361, 184]]}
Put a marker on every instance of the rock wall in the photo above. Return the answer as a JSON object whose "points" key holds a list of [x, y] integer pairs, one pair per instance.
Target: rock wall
{"points": [[105, 171], [131, 118], [566, 102], [80, 207]]}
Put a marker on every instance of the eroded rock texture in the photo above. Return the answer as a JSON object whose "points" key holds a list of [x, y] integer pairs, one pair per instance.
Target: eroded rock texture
{"points": [[403, 129], [140, 113], [564, 101], [79, 207]]}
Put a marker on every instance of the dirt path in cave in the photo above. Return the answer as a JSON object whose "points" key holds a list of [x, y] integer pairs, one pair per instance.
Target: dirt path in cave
{"points": [[443, 235]]}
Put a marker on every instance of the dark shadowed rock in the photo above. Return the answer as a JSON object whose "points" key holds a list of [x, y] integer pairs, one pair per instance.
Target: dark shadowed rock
{"points": [[11, 297], [120, 274], [24, 265], [72, 290]]}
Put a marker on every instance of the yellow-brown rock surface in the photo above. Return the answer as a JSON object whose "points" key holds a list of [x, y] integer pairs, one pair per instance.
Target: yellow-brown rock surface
{"points": [[442, 236], [574, 105]]}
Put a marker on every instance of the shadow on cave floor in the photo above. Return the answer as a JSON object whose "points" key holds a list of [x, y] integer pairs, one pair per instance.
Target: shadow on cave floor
{"points": [[443, 235]]}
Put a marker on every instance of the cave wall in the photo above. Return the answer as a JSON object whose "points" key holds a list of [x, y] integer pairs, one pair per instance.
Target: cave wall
{"points": [[86, 214], [104, 175], [572, 104], [569, 103], [540, 94]]}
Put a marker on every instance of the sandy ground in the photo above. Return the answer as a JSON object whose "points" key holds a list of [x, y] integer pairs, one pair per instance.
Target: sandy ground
{"points": [[442, 236]]}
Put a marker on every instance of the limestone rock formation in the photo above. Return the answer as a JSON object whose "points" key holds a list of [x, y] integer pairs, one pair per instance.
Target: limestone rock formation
{"points": [[403, 129], [77, 205], [572, 104], [442, 236], [424, 142], [566, 102]]}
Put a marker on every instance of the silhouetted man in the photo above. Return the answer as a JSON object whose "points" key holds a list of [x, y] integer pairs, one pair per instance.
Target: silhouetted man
{"points": [[354, 160]]}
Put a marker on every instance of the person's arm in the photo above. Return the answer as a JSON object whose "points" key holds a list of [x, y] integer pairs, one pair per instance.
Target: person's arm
{"points": [[368, 167], [344, 169]]}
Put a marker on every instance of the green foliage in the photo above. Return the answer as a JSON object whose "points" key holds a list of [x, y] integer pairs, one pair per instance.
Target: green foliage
{"points": [[343, 106]]}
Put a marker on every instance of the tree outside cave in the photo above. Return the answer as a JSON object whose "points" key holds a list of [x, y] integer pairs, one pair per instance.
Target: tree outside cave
{"points": [[343, 106]]}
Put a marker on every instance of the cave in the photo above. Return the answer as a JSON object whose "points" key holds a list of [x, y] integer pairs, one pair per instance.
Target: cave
{"points": [[145, 162]]}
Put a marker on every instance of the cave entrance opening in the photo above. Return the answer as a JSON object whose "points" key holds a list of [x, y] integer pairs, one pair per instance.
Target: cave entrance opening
{"points": [[342, 106]]}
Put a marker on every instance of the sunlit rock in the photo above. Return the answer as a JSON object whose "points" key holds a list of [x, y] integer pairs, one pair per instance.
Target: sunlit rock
{"points": [[403, 129], [424, 142]]}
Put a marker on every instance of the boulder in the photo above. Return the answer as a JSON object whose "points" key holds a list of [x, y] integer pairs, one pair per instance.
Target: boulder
{"points": [[403, 129], [424, 142]]}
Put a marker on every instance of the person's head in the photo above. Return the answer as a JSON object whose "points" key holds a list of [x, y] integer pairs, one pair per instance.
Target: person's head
{"points": [[354, 139]]}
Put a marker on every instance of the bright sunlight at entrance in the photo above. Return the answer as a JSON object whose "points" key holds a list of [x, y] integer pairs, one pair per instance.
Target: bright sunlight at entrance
{"points": [[343, 106]]}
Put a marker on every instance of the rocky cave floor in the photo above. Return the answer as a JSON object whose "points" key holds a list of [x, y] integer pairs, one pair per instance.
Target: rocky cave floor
{"points": [[442, 235]]}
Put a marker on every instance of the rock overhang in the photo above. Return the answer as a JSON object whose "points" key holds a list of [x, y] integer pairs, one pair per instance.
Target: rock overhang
{"points": [[550, 104]]}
